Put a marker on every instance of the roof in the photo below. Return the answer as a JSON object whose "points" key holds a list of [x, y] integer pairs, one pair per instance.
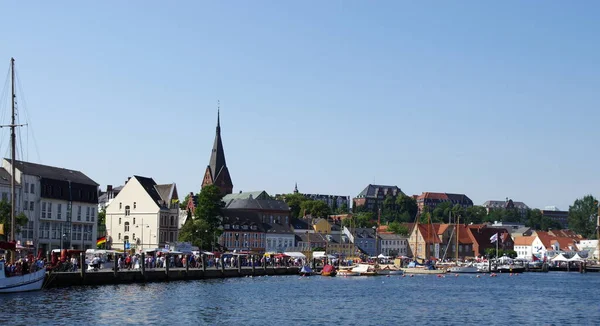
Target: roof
{"points": [[301, 223], [54, 173], [373, 190], [364, 233], [217, 163], [548, 238], [258, 204], [482, 234], [277, 227], [503, 203], [565, 234], [239, 217], [149, 185], [429, 233], [164, 191], [524, 241], [261, 194], [462, 198], [391, 236], [5, 177], [464, 235], [314, 237]]}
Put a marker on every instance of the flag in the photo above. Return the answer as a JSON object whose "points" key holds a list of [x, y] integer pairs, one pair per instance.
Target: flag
{"points": [[534, 258], [101, 241], [494, 238]]}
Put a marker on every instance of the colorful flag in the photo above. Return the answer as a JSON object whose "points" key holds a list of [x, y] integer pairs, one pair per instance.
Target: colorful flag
{"points": [[101, 241], [494, 238]]}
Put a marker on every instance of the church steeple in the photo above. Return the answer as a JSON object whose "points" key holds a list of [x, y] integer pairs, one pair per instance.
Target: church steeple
{"points": [[296, 188], [216, 171]]}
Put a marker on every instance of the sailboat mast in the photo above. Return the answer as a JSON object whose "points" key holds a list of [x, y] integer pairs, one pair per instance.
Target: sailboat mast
{"points": [[457, 231], [12, 153]]}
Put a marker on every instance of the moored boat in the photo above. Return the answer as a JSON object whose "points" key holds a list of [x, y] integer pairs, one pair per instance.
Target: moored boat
{"points": [[306, 271], [21, 283], [463, 269], [328, 270], [389, 270]]}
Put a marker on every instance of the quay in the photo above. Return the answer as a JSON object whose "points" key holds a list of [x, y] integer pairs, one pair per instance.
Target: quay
{"points": [[110, 277]]}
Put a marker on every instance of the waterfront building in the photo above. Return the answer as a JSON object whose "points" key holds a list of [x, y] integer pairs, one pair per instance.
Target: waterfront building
{"points": [[424, 241], [144, 215], [309, 241], [555, 214], [321, 225], [515, 229], [481, 234], [372, 196], [242, 231], [275, 215], [523, 247], [506, 204], [590, 246], [364, 239], [339, 244], [60, 204], [553, 242], [217, 172], [393, 245], [433, 199]]}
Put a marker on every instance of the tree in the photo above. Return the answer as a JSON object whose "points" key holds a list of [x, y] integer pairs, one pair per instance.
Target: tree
{"points": [[294, 201], [364, 219], [184, 203], [343, 209], [101, 218], [582, 216], [198, 232], [407, 204], [474, 214], [210, 202], [21, 219], [315, 208], [397, 228]]}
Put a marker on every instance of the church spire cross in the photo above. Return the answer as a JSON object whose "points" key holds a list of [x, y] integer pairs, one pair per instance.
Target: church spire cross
{"points": [[218, 116]]}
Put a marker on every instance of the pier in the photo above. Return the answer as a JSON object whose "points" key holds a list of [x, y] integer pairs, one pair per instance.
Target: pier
{"points": [[108, 277]]}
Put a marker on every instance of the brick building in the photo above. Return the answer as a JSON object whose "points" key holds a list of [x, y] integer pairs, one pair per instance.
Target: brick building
{"points": [[372, 196], [217, 172], [432, 199]]}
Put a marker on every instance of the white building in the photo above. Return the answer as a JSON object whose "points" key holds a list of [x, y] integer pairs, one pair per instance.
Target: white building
{"points": [[523, 246], [143, 215], [106, 197], [393, 245], [591, 246], [45, 195]]}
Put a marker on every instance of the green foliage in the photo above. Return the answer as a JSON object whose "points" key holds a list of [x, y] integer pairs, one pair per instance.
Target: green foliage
{"points": [[101, 220], [209, 205], [397, 228], [21, 219], [400, 209], [184, 203], [202, 228], [491, 253], [294, 202], [537, 221], [360, 220], [582, 216], [474, 214], [198, 232], [343, 209], [315, 208]]}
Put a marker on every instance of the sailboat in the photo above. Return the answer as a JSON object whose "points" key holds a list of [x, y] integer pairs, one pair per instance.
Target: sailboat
{"points": [[30, 280], [414, 267], [458, 268]]}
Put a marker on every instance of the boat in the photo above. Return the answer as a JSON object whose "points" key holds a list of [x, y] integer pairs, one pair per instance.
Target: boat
{"points": [[414, 268], [29, 280], [328, 270], [389, 270], [365, 270], [347, 271], [306, 271], [461, 268]]}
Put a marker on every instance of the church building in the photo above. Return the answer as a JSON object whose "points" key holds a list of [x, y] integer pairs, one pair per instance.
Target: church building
{"points": [[216, 172]]}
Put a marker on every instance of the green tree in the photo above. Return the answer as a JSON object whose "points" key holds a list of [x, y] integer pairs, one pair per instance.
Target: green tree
{"points": [[21, 219], [407, 204], [184, 203], [582, 216], [474, 214], [397, 228], [294, 201], [198, 232], [210, 202], [101, 221], [441, 213], [316, 208], [364, 219], [343, 209]]}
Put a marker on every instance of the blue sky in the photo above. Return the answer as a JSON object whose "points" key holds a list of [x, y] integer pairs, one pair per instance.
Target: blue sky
{"points": [[490, 99]]}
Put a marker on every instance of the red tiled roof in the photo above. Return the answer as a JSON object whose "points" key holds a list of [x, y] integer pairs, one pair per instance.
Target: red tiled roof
{"points": [[464, 235], [524, 241], [433, 195], [564, 234], [429, 234], [564, 243]]}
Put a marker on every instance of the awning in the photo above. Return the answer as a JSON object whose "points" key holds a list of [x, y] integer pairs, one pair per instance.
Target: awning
{"points": [[295, 254]]}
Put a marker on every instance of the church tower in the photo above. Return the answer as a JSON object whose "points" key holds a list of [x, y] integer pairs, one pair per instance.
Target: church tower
{"points": [[216, 172]]}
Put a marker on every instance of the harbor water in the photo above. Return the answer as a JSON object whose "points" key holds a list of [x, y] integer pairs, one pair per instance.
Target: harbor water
{"points": [[531, 298]]}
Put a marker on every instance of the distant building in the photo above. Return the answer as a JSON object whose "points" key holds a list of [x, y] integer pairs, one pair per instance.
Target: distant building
{"points": [[60, 204], [515, 229], [261, 194], [143, 215], [393, 245], [372, 196], [333, 201], [242, 231], [506, 204], [217, 172], [432, 199], [553, 213]]}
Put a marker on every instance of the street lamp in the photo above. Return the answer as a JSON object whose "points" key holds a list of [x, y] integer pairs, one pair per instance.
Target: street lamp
{"points": [[142, 226]]}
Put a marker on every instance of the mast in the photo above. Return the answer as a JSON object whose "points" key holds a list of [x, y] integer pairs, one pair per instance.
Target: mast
{"points": [[457, 241], [12, 152]]}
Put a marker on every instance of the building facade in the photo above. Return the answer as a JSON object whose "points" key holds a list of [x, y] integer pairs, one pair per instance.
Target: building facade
{"points": [[506, 204], [217, 172], [372, 197], [60, 204], [242, 231], [561, 217], [144, 215], [393, 245], [432, 199]]}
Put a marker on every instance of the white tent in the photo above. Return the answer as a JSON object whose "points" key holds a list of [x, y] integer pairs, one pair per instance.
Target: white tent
{"points": [[576, 258], [560, 257], [383, 256], [295, 254]]}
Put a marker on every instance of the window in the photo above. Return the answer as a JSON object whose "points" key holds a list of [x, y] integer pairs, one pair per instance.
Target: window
{"points": [[119, 221], [25, 206], [93, 215], [32, 189], [79, 213], [26, 187], [31, 205], [126, 239], [134, 205], [226, 226], [134, 220], [87, 214], [170, 236], [172, 220], [49, 210], [43, 209], [59, 211], [120, 205], [5, 196], [127, 210], [119, 236], [133, 237], [126, 226]]}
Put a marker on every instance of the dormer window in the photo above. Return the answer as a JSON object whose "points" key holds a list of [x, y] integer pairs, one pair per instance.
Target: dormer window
{"points": [[244, 227], [226, 226], [253, 227], [236, 227]]}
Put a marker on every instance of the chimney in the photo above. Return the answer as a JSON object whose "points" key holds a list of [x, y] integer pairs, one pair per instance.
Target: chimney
{"points": [[191, 194], [109, 192]]}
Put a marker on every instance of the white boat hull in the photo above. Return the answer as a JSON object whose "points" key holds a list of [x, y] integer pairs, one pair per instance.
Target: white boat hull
{"points": [[390, 272], [347, 273], [23, 283], [463, 269]]}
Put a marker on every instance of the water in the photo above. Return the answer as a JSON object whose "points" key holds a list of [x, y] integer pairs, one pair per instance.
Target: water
{"points": [[531, 299]]}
